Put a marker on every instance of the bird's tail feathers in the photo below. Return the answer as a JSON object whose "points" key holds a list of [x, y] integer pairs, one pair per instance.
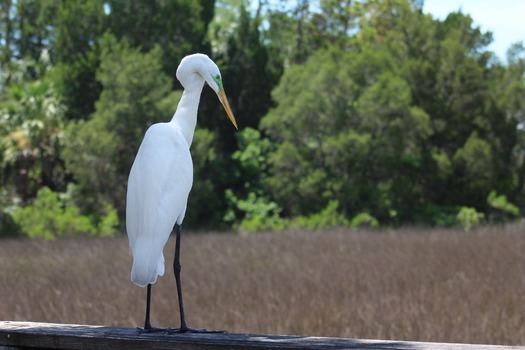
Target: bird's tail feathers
{"points": [[148, 263]]}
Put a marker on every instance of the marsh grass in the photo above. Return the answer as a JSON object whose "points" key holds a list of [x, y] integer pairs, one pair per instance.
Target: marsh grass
{"points": [[406, 284]]}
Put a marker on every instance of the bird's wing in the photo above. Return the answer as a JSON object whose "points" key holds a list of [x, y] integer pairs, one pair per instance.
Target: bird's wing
{"points": [[158, 187]]}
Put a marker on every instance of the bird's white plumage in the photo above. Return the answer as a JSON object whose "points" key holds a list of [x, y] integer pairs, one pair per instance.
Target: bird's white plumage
{"points": [[158, 187], [162, 174]]}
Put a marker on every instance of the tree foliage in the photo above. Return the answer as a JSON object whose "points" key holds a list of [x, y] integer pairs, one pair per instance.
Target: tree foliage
{"points": [[51, 217], [32, 123], [352, 113], [100, 151]]}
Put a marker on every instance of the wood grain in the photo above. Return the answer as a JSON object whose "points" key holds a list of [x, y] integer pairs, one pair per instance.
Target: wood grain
{"points": [[15, 335]]}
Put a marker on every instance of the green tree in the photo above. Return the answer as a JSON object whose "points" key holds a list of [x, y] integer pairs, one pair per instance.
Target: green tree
{"points": [[367, 110], [79, 26], [248, 57], [474, 168], [508, 90], [414, 99], [50, 216], [249, 75], [501, 208], [206, 203], [250, 207], [31, 129], [296, 32], [179, 27], [346, 130], [99, 152], [24, 29], [453, 80]]}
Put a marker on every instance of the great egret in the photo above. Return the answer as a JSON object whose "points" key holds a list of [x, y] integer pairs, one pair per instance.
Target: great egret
{"points": [[160, 181]]}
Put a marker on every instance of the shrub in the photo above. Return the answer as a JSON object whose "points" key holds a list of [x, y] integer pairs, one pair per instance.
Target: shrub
{"points": [[329, 217], [107, 225], [51, 217], [441, 216], [259, 212], [364, 220], [469, 218], [8, 227], [502, 207]]}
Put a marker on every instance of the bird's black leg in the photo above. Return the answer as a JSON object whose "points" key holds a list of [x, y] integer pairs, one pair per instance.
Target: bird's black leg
{"points": [[176, 269], [147, 324]]}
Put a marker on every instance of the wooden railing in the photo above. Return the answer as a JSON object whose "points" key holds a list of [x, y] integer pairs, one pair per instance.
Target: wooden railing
{"points": [[27, 335]]}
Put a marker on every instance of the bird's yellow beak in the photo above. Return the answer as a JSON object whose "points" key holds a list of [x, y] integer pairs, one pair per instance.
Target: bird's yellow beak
{"points": [[226, 105]]}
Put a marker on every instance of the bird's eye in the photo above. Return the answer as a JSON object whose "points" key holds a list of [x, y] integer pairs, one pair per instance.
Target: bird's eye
{"points": [[218, 77]]}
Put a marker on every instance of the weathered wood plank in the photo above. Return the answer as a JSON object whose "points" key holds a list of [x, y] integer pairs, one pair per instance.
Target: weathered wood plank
{"points": [[14, 335]]}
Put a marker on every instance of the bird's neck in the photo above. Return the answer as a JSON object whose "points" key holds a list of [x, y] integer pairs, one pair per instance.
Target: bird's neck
{"points": [[185, 117]]}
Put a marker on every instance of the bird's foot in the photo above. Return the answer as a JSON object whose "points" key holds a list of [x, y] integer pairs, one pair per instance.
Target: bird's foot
{"points": [[153, 330], [192, 330]]}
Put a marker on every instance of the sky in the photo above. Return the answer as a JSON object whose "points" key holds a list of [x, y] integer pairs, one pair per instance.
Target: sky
{"points": [[504, 18]]}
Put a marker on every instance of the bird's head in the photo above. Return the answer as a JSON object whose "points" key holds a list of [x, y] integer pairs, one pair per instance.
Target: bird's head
{"points": [[208, 70], [214, 80]]}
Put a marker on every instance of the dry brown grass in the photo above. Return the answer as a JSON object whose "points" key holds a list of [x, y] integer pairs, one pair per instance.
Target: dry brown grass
{"points": [[429, 285]]}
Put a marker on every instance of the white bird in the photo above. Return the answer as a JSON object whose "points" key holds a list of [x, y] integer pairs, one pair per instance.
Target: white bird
{"points": [[160, 181]]}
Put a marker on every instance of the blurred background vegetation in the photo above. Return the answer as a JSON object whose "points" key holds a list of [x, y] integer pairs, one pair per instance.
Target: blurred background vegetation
{"points": [[351, 113]]}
